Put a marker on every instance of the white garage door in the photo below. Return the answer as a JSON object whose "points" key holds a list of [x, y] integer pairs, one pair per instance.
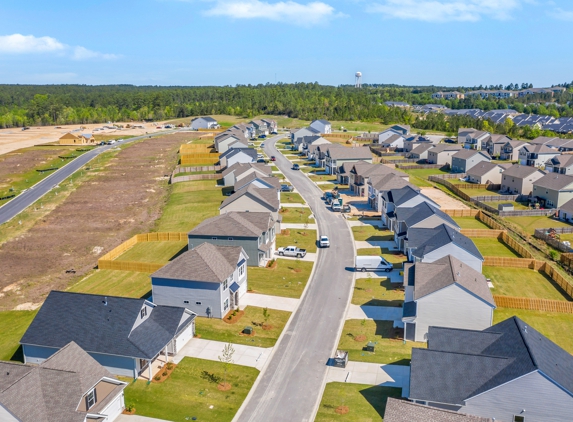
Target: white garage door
{"points": [[114, 409], [184, 337]]}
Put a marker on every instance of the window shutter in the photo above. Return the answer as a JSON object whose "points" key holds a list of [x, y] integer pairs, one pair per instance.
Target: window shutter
{"points": [[87, 403], [95, 396]]}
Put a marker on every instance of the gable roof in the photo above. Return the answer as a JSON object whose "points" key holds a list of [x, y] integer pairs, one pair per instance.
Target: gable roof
{"points": [[542, 140], [424, 241], [231, 152], [242, 224], [240, 168], [271, 182], [519, 171], [206, 118], [445, 147], [401, 195], [554, 181], [358, 153], [420, 212], [103, 324], [389, 181], [567, 206], [265, 196], [459, 364], [421, 148], [324, 122], [516, 144], [564, 160], [206, 263], [406, 411], [465, 154], [482, 168], [392, 138], [539, 149]]}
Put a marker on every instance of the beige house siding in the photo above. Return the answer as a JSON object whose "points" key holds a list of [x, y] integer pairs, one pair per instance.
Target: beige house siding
{"points": [[554, 198], [521, 186]]}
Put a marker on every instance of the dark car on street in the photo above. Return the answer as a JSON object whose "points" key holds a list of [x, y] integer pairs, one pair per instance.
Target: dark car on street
{"points": [[273, 158], [287, 188], [295, 167]]}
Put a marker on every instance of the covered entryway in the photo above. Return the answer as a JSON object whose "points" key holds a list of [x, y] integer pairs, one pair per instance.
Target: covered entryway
{"points": [[234, 296]]}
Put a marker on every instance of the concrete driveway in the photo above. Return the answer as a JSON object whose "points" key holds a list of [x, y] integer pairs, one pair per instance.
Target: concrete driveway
{"points": [[379, 313], [394, 275], [371, 374], [267, 301], [137, 418], [309, 257]]}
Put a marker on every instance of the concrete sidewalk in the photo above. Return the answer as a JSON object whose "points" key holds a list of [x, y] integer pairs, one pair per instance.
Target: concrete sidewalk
{"points": [[299, 226], [380, 313], [388, 244], [393, 275], [309, 257], [372, 374], [289, 205], [252, 356], [268, 301]]}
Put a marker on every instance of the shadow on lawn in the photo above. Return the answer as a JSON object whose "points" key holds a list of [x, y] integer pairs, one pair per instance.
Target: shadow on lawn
{"points": [[378, 396]]}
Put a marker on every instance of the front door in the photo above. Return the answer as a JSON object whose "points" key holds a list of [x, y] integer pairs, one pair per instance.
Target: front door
{"points": [[410, 333]]}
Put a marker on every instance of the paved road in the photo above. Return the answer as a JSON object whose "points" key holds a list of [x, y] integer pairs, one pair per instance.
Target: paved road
{"points": [[24, 200], [291, 386]]}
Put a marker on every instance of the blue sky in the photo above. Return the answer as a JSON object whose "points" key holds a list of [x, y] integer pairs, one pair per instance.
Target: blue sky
{"points": [[228, 42]]}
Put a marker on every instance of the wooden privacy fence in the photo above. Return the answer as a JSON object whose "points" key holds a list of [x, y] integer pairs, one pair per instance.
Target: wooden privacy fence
{"points": [[400, 161], [419, 166], [482, 233], [192, 159], [462, 213], [551, 241], [561, 281], [181, 169], [513, 244], [108, 261], [566, 259], [191, 177], [501, 261], [534, 304]]}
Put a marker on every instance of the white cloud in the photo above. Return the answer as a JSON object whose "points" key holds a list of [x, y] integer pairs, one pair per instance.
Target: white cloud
{"points": [[18, 43], [29, 44], [284, 11], [447, 10], [564, 15]]}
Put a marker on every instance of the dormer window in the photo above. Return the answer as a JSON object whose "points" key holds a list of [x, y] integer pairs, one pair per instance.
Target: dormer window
{"points": [[91, 399]]}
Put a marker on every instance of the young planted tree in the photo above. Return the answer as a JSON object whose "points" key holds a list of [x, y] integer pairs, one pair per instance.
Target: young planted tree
{"points": [[266, 315], [226, 358]]}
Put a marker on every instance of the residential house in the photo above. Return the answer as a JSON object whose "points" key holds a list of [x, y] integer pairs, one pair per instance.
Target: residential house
{"points": [[454, 95], [223, 141], [507, 372], [297, 135], [69, 386], [321, 152], [404, 130], [77, 139], [204, 122], [125, 335], [237, 155], [429, 245], [548, 141], [361, 171], [465, 159], [395, 141], [413, 141], [495, 143], [255, 232], [406, 197], [247, 130], [307, 141], [562, 164], [379, 185], [477, 140], [261, 127], [400, 104], [323, 126], [442, 153], [533, 91], [486, 173], [391, 132], [420, 152], [518, 179], [510, 151], [336, 157], [239, 171], [566, 211], [258, 181], [536, 155], [252, 199], [553, 189], [209, 280], [422, 215], [271, 124], [445, 293], [407, 411], [463, 134]]}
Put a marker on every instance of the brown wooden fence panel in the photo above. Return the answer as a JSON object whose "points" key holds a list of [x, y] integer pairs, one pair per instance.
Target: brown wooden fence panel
{"points": [[501, 261], [513, 244], [534, 304], [561, 281], [488, 221], [141, 267], [119, 250], [481, 233], [462, 212]]}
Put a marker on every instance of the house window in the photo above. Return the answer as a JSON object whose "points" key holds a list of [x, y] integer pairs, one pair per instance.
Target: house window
{"points": [[185, 301], [91, 399], [143, 312], [226, 304], [518, 418], [213, 238], [230, 238], [225, 284], [197, 303], [241, 270]]}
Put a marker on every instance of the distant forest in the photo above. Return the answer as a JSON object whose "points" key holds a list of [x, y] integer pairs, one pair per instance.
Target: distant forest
{"points": [[26, 105]]}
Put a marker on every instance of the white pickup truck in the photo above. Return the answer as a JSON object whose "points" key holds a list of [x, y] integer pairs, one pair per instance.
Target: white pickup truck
{"points": [[292, 251]]}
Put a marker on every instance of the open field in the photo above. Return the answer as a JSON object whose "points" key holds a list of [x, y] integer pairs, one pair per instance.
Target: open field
{"points": [[368, 232], [13, 325], [529, 224], [490, 246], [287, 278], [124, 196], [301, 238], [115, 283], [389, 348], [470, 223], [423, 173], [377, 292], [155, 252], [480, 192], [522, 282], [296, 215], [193, 382], [219, 330], [366, 403]]}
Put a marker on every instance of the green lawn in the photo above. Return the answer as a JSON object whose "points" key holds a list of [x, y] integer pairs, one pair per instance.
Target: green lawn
{"points": [[389, 348], [322, 178], [556, 327], [368, 232], [328, 187], [490, 246], [160, 252], [287, 279], [301, 238], [311, 168], [13, 324], [516, 205], [395, 258], [470, 223], [420, 181], [480, 192], [366, 403], [424, 173], [377, 292], [291, 198], [529, 224], [522, 282], [190, 203], [115, 283], [219, 330], [296, 215], [191, 392]]}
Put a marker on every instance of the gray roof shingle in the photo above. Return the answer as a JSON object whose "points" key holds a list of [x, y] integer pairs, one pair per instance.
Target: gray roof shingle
{"points": [[242, 224], [406, 411], [554, 181], [424, 241], [413, 215], [358, 153], [482, 168], [520, 172], [266, 196]]}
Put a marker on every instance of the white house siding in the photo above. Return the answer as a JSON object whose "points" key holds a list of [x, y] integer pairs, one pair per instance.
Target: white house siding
{"points": [[238, 158], [494, 176], [223, 145], [521, 186], [451, 307], [456, 252], [542, 400], [444, 157], [200, 296], [6, 416], [432, 222]]}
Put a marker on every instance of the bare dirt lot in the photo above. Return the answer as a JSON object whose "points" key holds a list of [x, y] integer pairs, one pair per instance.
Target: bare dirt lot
{"points": [[444, 200], [124, 199]]}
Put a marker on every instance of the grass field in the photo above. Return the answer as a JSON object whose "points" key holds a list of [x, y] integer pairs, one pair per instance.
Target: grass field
{"points": [[389, 349], [322, 178], [366, 403], [555, 326], [219, 330], [194, 383], [368, 232], [189, 204], [329, 186], [377, 292], [522, 282], [424, 173], [529, 224], [287, 279], [291, 198], [114, 283], [470, 223], [13, 324], [301, 238], [296, 215], [490, 246], [156, 252]]}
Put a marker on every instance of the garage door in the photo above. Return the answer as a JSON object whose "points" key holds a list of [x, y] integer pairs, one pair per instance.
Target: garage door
{"points": [[186, 335], [114, 409]]}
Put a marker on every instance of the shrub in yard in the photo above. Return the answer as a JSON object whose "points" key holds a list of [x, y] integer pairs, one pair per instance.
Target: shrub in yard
{"points": [[165, 373], [170, 366], [157, 377]]}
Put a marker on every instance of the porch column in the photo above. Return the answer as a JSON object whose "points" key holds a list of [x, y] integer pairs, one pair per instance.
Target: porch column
{"points": [[150, 371], [165, 353]]}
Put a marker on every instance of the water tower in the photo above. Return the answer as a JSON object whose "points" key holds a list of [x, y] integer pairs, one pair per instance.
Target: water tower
{"points": [[358, 80]]}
